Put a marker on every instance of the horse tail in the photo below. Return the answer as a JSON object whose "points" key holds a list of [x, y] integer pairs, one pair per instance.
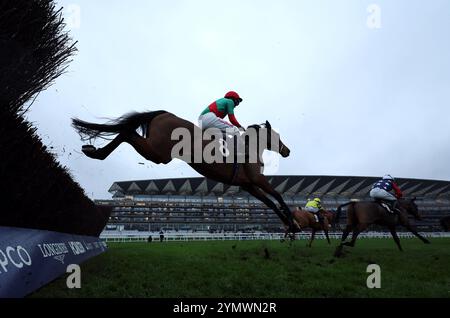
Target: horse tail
{"points": [[338, 212], [127, 122]]}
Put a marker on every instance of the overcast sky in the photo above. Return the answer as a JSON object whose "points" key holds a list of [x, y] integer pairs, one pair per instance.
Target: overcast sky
{"points": [[353, 89]]}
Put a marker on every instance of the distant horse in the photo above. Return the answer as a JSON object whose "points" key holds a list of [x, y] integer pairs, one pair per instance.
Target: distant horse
{"points": [[362, 214], [157, 144], [306, 219], [445, 223]]}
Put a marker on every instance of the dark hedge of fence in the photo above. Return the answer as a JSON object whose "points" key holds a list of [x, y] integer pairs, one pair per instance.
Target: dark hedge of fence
{"points": [[35, 190]]}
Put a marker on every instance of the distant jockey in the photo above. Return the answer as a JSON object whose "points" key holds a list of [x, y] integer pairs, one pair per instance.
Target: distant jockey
{"points": [[315, 207], [387, 189]]}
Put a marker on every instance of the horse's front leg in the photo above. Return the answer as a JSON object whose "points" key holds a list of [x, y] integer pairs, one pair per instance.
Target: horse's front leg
{"points": [[414, 231], [313, 234], [253, 190], [326, 235], [395, 236], [262, 183], [358, 229]]}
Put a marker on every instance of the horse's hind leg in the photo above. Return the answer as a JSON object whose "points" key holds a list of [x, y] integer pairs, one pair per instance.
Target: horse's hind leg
{"points": [[395, 236], [143, 147], [102, 153], [140, 144], [359, 228], [346, 232]]}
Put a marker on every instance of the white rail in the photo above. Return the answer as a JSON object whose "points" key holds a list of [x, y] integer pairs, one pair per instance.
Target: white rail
{"points": [[139, 237]]}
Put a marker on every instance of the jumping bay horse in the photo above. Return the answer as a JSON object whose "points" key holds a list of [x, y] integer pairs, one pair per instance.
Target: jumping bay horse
{"points": [[157, 142], [305, 219], [364, 213]]}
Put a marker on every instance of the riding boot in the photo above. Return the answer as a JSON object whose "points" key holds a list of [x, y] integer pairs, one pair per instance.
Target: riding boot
{"points": [[321, 220], [395, 206]]}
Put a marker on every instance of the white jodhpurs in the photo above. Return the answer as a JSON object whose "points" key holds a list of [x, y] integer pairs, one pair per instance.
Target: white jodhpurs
{"points": [[378, 193], [210, 120], [311, 209]]}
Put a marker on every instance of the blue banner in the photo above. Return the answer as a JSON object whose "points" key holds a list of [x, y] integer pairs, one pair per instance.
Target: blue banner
{"points": [[30, 258]]}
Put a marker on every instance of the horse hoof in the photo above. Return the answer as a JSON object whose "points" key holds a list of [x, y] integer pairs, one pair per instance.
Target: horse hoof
{"points": [[89, 150], [338, 251]]}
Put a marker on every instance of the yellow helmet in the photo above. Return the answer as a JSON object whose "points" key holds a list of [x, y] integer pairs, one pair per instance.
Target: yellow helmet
{"points": [[317, 200]]}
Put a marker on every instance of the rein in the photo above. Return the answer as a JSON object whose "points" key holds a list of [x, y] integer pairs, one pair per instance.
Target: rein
{"points": [[269, 139]]}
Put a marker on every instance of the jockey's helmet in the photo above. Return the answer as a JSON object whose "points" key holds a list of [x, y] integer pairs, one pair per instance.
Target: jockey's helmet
{"points": [[388, 177], [317, 200], [233, 95]]}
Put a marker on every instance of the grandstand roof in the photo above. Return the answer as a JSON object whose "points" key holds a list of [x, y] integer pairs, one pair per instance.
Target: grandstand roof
{"points": [[290, 185]]}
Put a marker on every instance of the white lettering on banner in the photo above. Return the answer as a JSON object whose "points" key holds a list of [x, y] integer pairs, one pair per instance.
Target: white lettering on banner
{"points": [[16, 256], [23, 252], [77, 248], [10, 249], [3, 261], [53, 249], [88, 246]]}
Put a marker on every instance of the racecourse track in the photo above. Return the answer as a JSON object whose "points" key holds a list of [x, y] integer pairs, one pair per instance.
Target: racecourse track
{"points": [[266, 268]]}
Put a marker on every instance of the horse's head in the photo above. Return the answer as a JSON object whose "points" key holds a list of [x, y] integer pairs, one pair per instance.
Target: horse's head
{"points": [[411, 207], [269, 138]]}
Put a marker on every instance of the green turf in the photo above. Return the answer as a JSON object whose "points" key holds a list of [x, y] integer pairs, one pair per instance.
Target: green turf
{"points": [[240, 269]]}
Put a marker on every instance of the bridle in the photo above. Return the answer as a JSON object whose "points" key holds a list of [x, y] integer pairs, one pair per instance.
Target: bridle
{"points": [[269, 135]]}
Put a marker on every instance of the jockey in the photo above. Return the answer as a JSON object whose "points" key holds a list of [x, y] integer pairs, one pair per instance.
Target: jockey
{"points": [[212, 117], [387, 189], [314, 206]]}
